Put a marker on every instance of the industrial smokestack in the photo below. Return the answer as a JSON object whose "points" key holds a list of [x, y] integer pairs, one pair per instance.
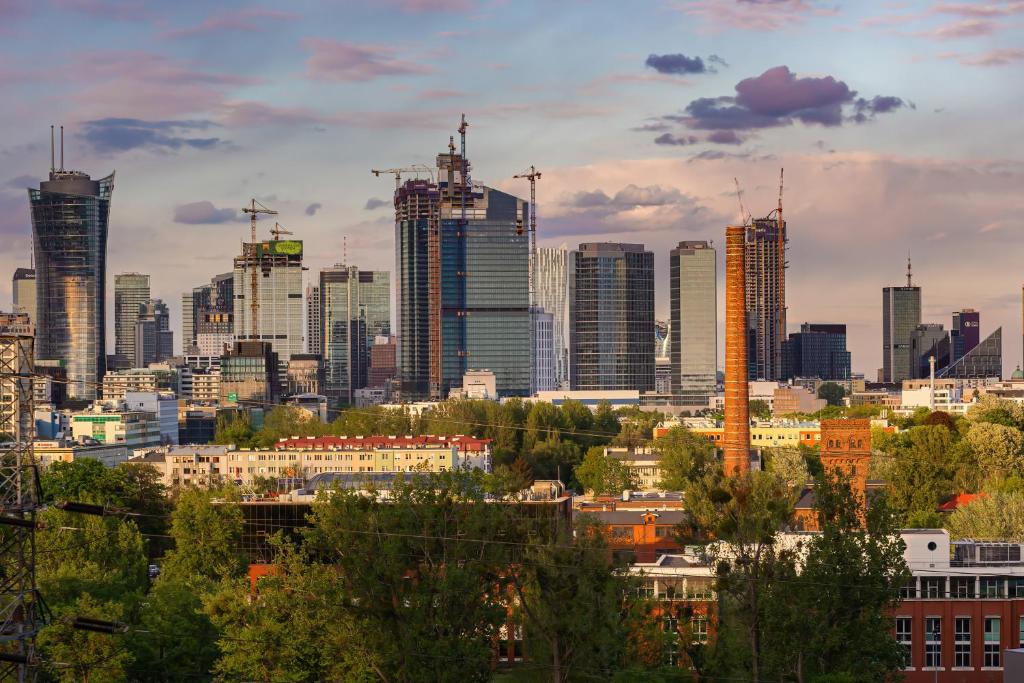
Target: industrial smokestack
{"points": [[737, 413]]}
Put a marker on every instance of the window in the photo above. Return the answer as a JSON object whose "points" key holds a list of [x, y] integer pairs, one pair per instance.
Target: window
{"points": [[909, 590], [933, 642], [991, 587], [962, 642], [671, 623], [904, 638], [699, 630], [1016, 588], [932, 587], [991, 642], [961, 587], [661, 531], [622, 533]]}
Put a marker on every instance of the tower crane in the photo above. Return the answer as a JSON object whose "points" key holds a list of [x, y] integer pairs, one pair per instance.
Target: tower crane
{"points": [[533, 175], [279, 230], [253, 209], [744, 216], [397, 172], [781, 256]]}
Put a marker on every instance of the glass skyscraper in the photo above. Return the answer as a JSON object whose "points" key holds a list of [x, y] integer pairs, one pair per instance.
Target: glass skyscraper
{"points": [[694, 329], [70, 220], [901, 314], [552, 286], [131, 290], [612, 346]]}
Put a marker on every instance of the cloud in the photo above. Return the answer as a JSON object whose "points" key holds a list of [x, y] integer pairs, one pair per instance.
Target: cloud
{"points": [[676, 140], [426, 6], [965, 28], [374, 203], [865, 110], [632, 208], [997, 57], [122, 10], [442, 94], [21, 182], [243, 113], [980, 9], [676, 64], [313, 208], [203, 213], [336, 61], [123, 134], [754, 15], [725, 137], [248, 20]]}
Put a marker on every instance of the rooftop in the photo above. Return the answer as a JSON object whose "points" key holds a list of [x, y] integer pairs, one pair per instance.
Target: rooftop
{"points": [[464, 443]]}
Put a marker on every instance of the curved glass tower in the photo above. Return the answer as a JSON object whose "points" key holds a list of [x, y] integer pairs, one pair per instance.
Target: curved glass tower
{"points": [[70, 217]]}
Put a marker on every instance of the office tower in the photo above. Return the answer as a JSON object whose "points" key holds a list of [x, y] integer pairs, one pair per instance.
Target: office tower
{"points": [[765, 272], [355, 307], [216, 297], [901, 314], [131, 291], [16, 358], [542, 350], [463, 290], [818, 350], [23, 290], [612, 345], [662, 358], [965, 333], [383, 362], [305, 374], [736, 436], [694, 328], [216, 331], [250, 375], [984, 361], [154, 340], [279, 310], [70, 219], [928, 340], [552, 286], [314, 326]]}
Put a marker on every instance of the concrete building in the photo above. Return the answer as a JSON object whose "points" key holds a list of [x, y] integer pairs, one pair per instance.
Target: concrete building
{"points": [[926, 341], [278, 277], [154, 340], [479, 384], [49, 451], [542, 351], [314, 326], [23, 291], [693, 331], [215, 297], [553, 282], [765, 277], [383, 362], [131, 291], [643, 463], [795, 399], [249, 375], [621, 398], [116, 384], [612, 344], [107, 423], [205, 387], [901, 314], [70, 220], [163, 404], [215, 331], [818, 351], [305, 375]]}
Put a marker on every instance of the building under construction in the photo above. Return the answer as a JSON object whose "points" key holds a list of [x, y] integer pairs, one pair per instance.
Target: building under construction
{"points": [[765, 253], [272, 270], [462, 281]]}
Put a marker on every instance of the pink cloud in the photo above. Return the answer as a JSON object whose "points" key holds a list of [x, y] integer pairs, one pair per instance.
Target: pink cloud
{"points": [[250, 19], [980, 9], [752, 15], [996, 57], [123, 10], [442, 94], [965, 28], [332, 60], [423, 6]]}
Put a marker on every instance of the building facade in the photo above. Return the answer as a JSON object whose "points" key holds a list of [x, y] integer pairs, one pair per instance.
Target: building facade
{"points": [[965, 333], [765, 277], [612, 345], [542, 351], [70, 220], [314, 328], [928, 340], [984, 361], [131, 291], [693, 332], [278, 276], [553, 291], [901, 314], [818, 351], [154, 340], [23, 291], [249, 375]]}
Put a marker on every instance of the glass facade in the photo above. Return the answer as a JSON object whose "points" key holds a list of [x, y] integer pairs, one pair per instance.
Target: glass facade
{"points": [[901, 314], [416, 205], [982, 362], [818, 350], [278, 265], [612, 345], [694, 330], [355, 307], [70, 221], [552, 278], [765, 298], [131, 290]]}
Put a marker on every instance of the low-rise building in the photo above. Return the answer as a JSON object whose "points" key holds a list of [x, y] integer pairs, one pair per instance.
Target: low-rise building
{"points": [[163, 404], [110, 424], [796, 399], [591, 399], [205, 386], [640, 535], [48, 452], [117, 384], [643, 463]]}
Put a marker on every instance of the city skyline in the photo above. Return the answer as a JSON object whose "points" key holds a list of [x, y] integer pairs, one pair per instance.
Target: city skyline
{"points": [[900, 177]]}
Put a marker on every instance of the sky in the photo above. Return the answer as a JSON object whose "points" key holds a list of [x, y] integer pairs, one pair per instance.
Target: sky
{"points": [[898, 125]]}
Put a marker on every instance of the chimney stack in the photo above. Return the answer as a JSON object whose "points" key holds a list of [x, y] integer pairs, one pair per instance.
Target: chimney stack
{"points": [[737, 413]]}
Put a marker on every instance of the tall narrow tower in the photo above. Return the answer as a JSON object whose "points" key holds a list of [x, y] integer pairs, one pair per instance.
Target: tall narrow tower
{"points": [[737, 415]]}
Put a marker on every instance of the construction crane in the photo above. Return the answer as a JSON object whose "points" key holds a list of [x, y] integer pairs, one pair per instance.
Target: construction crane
{"points": [[744, 216], [397, 172], [279, 230], [253, 209], [533, 175]]}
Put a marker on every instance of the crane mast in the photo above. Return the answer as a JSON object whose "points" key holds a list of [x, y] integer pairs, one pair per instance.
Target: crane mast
{"points": [[533, 175], [253, 209]]}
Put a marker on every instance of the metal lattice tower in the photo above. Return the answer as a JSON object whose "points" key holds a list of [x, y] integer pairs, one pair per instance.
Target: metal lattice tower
{"points": [[21, 610]]}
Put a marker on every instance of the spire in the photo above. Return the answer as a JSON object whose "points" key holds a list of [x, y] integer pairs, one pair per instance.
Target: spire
{"points": [[909, 272]]}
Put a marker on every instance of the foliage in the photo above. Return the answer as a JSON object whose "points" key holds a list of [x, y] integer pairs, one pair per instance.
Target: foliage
{"points": [[207, 537], [78, 656], [759, 408], [684, 457], [234, 428], [918, 470], [995, 515], [790, 464], [999, 448], [604, 474], [832, 393], [177, 639]]}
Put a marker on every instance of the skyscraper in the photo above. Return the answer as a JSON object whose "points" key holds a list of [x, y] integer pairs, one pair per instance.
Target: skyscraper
{"points": [[965, 333], [818, 350], [278, 265], [215, 299], [463, 291], [694, 329], [314, 326], [901, 314], [355, 307], [154, 340], [23, 290], [131, 291], [70, 219], [984, 361], [552, 286], [612, 344], [765, 272], [928, 340], [542, 350]]}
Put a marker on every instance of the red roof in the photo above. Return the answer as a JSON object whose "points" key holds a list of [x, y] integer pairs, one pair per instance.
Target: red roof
{"points": [[958, 500], [465, 444]]}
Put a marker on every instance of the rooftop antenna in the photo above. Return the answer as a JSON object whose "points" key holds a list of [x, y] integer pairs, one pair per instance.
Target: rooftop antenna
{"points": [[52, 166], [344, 249], [62, 149], [909, 282]]}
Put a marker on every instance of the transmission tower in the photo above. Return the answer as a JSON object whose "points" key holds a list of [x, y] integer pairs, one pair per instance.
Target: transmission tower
{"points": [[21, 609]]}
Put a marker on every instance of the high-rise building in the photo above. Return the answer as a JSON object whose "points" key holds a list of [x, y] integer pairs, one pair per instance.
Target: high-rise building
{"points": [[70, 220], [818, 350], [552, 286], [250, 375], [23, 290], [965, 333], [131, 291], [314, 326], [542, 350], [765, 272], [901, 314], [214, 298], [463, 290], [984, 361], [355, 307], [154, 340], [693, 299], [279, 310], [215, 332], [612, 345], [927, 341], [383, 362]]}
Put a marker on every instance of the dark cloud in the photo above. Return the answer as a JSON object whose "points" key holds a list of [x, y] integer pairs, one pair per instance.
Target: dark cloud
{"points": [[865, 110], [313, 208], [676, 64], [629, 197], [632, 208], [203, 213], [725, 137], [676, 141], [121, 134], [374, 203], [21, 182], [715, 59]]}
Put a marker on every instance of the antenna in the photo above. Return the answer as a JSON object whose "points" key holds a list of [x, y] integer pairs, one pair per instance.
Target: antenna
{"points": [[909, 272], [62, 148], [52, 167], [344, 249]]}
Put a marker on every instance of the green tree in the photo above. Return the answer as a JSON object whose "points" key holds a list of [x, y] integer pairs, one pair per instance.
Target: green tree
{"points": [[78, 656], [176, 639], [790, 464], [995, 515], [207, 537], [759, 409], [999, 449], [684, 457], [234, 428], [832, 393], [604, 474], [918, 469]]}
